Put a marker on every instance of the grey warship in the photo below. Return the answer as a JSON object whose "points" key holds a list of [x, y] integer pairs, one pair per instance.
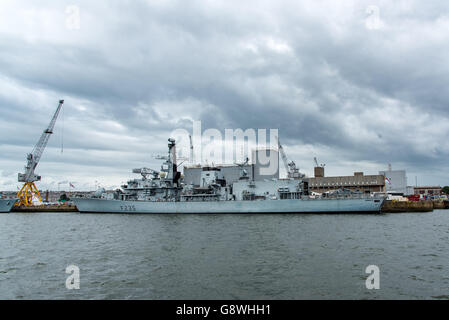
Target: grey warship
{"points": [[6, 205], [163, 191]]}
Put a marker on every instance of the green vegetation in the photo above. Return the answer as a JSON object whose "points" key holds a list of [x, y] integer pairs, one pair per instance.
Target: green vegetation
{"points": [[446, 189], [63, 198]]}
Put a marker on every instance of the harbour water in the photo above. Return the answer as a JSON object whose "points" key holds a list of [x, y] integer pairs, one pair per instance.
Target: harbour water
{"points": [[224, 256]]}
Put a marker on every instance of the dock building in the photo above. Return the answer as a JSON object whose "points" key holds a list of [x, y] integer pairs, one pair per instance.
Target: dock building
{"points": [[358, 182]]}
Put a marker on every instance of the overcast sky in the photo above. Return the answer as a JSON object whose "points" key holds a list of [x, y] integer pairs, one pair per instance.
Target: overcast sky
{"points": [[358, 84]]}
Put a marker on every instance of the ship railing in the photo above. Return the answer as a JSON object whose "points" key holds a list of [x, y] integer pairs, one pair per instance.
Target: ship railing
{"points": [[345, 196]]}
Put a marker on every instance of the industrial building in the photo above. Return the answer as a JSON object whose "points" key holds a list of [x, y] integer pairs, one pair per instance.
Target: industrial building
{"points": [[410, 191], [266, 164], [428, 190], [396, 181], [255, 171], [358, 182]]}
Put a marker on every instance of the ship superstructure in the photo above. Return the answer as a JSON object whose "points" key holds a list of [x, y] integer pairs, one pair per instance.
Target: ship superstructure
{"points": [[163, 185]]}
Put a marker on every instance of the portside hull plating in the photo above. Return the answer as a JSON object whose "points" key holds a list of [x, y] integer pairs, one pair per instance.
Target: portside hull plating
{"points": [[6, 205], [92, 205]]}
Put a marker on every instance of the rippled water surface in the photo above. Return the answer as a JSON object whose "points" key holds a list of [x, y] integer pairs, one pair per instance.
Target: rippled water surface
{"points": [[224, 256]]}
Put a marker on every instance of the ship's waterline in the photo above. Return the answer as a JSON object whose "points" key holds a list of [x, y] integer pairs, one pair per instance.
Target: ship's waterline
{"points": [[6, 205], [362, 205]]}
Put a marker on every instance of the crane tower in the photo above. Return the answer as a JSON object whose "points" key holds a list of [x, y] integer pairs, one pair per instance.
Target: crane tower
{"points": [[290, 167], [29, 190], [319, 169]]}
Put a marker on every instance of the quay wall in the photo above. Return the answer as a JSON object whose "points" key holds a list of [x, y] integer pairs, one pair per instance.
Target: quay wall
{"points": [[391, 206], [46, 208]]}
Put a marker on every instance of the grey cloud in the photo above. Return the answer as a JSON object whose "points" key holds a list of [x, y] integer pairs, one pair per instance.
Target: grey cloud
{"points": [[312, 70]]}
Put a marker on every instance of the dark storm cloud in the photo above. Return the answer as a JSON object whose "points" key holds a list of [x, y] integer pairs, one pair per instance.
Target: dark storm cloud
{"points": [[316, 70]]}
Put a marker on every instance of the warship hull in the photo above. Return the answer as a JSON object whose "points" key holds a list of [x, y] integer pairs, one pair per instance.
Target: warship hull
{"points": [[6, 205], [352, 205]]}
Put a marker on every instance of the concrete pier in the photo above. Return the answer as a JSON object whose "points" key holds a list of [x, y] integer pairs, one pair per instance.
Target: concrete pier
{"points": [[441, 204], [407, 206], [46, 208]]}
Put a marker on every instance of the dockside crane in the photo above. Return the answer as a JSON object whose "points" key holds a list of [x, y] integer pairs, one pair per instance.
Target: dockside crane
{"points": [[283, 156], [290, 167], [318, 165], [319, 169], [29, 190]]}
